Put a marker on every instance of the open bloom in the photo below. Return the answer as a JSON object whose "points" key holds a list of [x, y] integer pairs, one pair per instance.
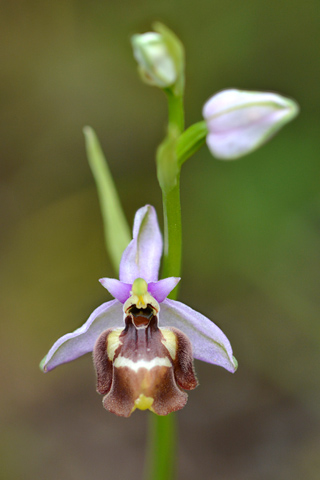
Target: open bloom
{"points": [[140, 364], [240, 121]]}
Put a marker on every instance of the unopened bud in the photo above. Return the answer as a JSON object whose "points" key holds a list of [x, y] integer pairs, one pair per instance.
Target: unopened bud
{"points": [[156, 65], [240, 121]]}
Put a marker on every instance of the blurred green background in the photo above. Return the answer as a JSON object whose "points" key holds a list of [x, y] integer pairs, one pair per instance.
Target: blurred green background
{"points": [[251, 234]]}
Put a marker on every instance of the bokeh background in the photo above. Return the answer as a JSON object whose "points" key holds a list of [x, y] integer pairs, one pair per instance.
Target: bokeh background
{"points": [[251, 234]]}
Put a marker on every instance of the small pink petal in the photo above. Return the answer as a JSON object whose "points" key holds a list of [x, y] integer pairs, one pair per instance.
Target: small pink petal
{"points": [[119, 290], [161, 289]]}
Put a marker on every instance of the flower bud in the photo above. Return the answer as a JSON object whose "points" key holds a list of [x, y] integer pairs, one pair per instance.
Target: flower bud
{"points": [[155, 63], [240, 121], [160, 57]]}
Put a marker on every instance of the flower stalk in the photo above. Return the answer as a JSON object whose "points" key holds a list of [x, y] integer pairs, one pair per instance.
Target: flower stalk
{"points": [[161, 453], [162, 430], [161, 448], [172, 234]]}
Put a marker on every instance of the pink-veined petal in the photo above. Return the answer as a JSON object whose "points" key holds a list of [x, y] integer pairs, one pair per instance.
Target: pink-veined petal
{"points": [[209, 343], [142, 256], [81, 341]]}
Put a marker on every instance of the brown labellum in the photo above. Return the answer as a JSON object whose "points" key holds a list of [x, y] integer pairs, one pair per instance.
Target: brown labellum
{"points": [[143, 366]]}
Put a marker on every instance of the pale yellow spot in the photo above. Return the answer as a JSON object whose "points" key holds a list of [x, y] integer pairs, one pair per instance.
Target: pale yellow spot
{"points": [[143, 402], [169, 341], [113, 342]]}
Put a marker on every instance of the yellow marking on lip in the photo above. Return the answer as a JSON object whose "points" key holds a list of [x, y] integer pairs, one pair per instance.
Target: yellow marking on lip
{"points": [[113, 342], [169, 341], [143, 402], [141, 303]]}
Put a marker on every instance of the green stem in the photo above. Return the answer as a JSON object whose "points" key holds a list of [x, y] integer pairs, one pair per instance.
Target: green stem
{"points": [[161, 454], [171, 197], [172, 234], [175, 111], [162, 444]]}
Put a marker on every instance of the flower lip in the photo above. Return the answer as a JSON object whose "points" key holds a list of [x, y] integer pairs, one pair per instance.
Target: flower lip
{"points": [[144, 368]]}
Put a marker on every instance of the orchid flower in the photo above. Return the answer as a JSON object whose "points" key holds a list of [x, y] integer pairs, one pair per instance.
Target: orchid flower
{"points": [[144, 343]]}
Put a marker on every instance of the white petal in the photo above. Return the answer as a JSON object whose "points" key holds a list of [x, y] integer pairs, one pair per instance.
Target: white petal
{"points": [[81, 341], [209, 343]]}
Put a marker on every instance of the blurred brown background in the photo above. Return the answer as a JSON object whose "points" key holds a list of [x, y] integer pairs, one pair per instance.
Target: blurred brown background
{"points": [[251, 234]]}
